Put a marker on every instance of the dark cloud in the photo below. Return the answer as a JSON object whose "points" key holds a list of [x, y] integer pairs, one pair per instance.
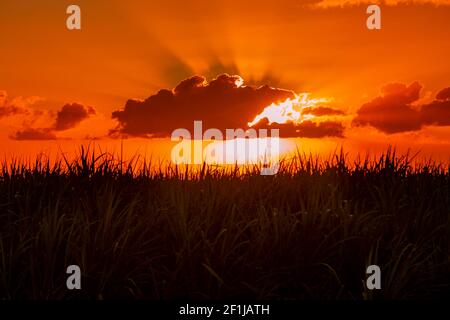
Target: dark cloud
{"points": [[444, 94], [438, 112], [71, 115], [322, 111], [34, 134], [309, 129], [220, 103], [68, 117], [394, 111], [6, 111], [306, 129], [7, 108]]}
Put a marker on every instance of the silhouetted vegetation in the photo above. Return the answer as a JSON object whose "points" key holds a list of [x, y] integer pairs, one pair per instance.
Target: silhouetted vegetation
{"points": [[165, 232]]}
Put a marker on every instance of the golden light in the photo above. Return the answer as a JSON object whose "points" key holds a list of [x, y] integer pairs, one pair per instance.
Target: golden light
{"points": [[239, 82], [290, 110]]}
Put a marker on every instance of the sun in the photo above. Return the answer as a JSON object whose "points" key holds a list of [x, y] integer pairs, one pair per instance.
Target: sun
{"points": [[290, 110]]}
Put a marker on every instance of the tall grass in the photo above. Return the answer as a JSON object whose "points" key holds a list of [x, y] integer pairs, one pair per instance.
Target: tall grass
{"points": [[165, 232]]}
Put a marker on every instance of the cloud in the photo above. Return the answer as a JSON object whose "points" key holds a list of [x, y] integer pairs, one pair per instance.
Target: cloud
{"points": [[395, 110], [306, 129], [322, 111], [223, 103], [325, 4], [438, 112], [68, 117], [444, 94], [15, 106], [71, 115], [10, 111], [33, 134], [309, 129], [220, 103]]}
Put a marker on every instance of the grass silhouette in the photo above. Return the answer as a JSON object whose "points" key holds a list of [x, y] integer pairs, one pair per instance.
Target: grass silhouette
{"points": [[172, 232]]}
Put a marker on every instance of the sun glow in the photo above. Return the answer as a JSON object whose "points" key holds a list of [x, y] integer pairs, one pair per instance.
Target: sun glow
{"points": [[290, 110], [239, 82]]}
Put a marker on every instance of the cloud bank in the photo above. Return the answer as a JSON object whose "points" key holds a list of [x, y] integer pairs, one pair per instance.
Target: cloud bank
{"points": [[68, 117], [16, 106], [222, 103], [396, 110]]}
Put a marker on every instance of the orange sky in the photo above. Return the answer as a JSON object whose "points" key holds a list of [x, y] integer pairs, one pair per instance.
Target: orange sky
{"points": [[132, 49]]}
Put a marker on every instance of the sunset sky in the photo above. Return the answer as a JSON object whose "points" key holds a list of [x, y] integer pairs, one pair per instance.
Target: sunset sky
{"points": [[60, 88]]}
